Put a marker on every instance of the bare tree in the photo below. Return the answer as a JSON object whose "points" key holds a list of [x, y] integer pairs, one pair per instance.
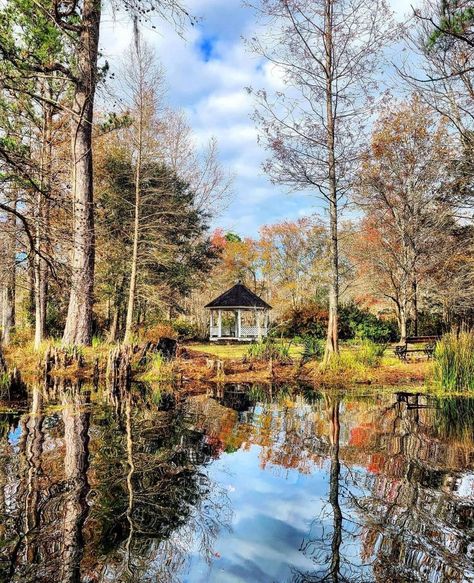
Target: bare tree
{"points": [[326, 53], [143, 79], [200, 168], [440, 67], [406, 226]]}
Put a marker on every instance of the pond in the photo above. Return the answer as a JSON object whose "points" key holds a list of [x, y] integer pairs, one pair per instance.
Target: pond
{"points": [[235, 483]]}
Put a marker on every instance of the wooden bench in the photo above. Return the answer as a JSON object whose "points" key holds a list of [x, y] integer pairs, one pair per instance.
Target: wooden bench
{"points": [[402, 350]]}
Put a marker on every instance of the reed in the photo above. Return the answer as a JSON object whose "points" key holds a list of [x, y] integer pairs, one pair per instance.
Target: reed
{"points": [[454, 361], [159, 369]]}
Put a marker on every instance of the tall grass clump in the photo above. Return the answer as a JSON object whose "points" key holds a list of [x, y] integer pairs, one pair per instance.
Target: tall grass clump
{"points": [[268, 349], [370, 353], [313, 347], [4, 385], [159, 369], [96, 341], [454, 361], [357, 360]]}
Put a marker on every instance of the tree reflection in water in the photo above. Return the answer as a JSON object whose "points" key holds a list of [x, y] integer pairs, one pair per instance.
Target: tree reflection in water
{"points": [[118, 485], [325, 544], [413, 511], [44, 498], [130, 509], [419, 515], [76, 420], [164, 505]]}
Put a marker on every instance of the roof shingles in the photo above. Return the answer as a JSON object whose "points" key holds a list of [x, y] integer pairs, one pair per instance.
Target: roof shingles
{"points": [[238, 296]]}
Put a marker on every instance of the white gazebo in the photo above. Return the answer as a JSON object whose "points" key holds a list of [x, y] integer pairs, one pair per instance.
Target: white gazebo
{"points": [[238, 314]]}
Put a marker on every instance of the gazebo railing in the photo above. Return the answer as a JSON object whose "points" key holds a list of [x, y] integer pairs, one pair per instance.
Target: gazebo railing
{"points": [[226, 331], [250, 331], [231, 332]]}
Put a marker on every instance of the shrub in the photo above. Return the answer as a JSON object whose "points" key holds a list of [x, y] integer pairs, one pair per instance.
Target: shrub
{"points": [[454, 360], [185, 329], [311, 319], [355, 322], [21, 336], [430, 323], [269, 349]]}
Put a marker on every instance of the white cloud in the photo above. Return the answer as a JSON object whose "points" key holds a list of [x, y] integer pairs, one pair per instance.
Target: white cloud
{"points": [[212, 92]]}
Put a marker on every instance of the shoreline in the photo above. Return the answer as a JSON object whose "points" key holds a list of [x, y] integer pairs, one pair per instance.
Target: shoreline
{"points": [[191, 365]]}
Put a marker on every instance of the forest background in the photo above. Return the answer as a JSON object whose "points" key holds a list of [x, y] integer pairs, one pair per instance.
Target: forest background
{"points": [[123, 243]]}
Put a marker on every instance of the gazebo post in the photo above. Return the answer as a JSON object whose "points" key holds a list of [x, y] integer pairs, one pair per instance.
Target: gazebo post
{"points": [[238, 324], [210, 324], [259, 328], [219, 323]]}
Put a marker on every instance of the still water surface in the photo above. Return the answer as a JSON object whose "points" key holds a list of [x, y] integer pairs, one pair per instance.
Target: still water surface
{"points": [[236, 483]]}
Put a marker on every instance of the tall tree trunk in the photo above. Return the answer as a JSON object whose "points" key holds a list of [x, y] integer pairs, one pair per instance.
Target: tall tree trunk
{"points": [[78, 329], [9, 289], [415, 307], [402, 321], [42, 227], [114, 324], [31, 290], [332, 339], [136, 228], [134, 266], [116, 311]]}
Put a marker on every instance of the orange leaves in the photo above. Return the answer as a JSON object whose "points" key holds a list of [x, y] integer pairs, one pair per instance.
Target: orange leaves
{"points": [[218, 239]]}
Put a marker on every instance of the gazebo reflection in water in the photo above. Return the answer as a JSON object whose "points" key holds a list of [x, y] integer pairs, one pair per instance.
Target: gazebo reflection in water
{"points": [[238, 314]]}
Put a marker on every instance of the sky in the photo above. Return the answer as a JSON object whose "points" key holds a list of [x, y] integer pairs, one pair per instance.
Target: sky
{"points": [[206, 73]]}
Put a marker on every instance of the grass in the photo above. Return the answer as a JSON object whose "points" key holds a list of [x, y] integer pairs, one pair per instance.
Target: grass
{"points": [[368, 363], [356, 358], [454, 361], [236, 351]]}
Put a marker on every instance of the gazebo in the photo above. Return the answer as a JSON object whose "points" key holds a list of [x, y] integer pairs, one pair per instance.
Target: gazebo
{"points": [[238, 314]]}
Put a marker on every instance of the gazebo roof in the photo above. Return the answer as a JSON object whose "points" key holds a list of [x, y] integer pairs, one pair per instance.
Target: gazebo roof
{"points": [[238, 296]]}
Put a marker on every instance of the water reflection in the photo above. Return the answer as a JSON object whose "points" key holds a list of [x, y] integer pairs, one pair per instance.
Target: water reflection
{"points": [[239, 483]]}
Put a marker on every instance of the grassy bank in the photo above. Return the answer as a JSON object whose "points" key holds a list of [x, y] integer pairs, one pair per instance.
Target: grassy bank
{"points": [[29, 361], [364, 363]]}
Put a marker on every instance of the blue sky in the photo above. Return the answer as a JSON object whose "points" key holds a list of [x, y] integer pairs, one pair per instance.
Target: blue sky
{"points": [[206, 74]]}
